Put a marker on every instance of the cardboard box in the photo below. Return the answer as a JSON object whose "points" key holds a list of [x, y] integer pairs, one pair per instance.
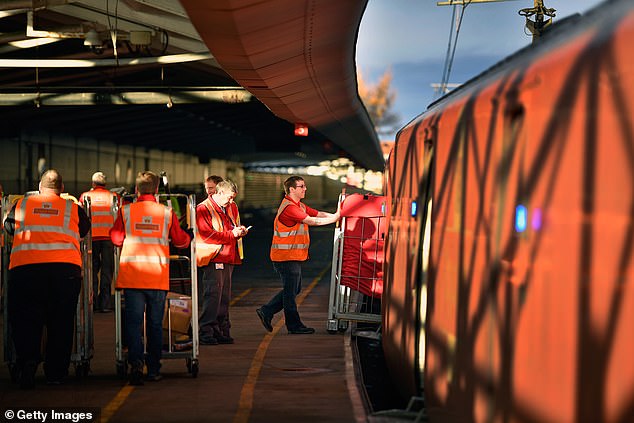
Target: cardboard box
{"points": [[178, 309]]}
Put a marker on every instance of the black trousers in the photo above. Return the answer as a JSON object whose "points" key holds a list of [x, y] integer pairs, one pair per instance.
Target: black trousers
{"points": [[102, 260], [44, 295]]}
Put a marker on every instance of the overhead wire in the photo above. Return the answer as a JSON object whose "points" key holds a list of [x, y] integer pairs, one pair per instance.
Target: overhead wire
{"points": [[451, 47]]}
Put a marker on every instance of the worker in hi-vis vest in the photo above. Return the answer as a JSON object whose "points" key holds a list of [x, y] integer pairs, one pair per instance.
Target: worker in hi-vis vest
{"points": [[144, 229], [218, 250], [44, 278], [289, 249], [102, 213]]}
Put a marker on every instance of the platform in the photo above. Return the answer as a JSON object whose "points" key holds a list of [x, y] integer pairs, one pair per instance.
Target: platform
{"points": [[263, 377]]}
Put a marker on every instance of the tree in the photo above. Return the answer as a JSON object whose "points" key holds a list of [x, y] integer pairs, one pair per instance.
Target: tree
{"points": [[378, 100]]}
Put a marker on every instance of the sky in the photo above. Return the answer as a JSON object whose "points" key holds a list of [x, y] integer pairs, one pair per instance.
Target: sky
{"points": [[410, 37]]}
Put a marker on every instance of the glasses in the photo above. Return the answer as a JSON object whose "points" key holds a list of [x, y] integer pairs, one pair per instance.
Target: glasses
{"points": [[300, 186]]}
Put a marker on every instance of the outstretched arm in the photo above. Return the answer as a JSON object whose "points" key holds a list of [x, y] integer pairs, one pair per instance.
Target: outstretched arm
{"points": [[322, 218]]}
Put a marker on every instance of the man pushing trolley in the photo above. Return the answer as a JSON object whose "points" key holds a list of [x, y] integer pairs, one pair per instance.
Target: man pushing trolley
{"points": [[144, 229], [44, 278]]}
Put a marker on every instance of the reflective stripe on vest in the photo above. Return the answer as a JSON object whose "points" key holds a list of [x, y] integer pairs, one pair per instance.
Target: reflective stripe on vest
{"points": [[289, 243], [46, 231], [101, 212], [144, 261]]}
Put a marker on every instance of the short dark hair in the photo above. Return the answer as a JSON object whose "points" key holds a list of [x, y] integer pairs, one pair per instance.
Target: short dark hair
{"points": [[291, 182], [147, 182], [214, 178]]}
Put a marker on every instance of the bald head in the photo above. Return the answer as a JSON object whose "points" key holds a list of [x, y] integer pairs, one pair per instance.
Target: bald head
{"points": [[99, 179], [51, 181]]}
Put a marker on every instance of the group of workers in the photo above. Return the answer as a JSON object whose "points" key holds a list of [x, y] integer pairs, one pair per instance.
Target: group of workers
{"points": [[45, 266]]}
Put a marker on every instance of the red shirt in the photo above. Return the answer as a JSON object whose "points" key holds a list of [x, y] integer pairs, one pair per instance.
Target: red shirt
{"points": [[179, 237], [229, 252], [294, 214]]}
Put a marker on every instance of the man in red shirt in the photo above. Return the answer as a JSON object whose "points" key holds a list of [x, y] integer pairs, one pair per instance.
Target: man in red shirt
{"points": [[288, 250], [102, 204], [144, 229], [219, 249]]}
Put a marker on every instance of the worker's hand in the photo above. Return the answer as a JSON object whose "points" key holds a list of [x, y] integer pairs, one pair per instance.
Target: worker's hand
{"points": [[239, 231]]}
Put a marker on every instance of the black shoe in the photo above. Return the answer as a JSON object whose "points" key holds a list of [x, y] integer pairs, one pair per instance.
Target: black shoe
{"points": [[106, 310], [266, 321], [301, 331], [55, 382], [27, 375], [136, 376], [208, 340], [224, 339]]}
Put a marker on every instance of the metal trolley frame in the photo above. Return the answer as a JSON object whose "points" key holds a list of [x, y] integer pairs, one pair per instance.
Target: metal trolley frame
{"points": [[83, 345], [347, 304], [190, 355]]}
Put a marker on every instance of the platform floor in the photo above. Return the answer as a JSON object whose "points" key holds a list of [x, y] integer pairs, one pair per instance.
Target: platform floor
{"points": [[263, 377]]}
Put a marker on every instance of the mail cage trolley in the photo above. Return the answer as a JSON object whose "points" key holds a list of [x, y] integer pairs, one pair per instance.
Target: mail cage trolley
{"points": [[83, 335], [177, 305], [356, 281]]}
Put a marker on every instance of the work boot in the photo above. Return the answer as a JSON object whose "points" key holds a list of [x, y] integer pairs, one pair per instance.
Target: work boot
{"points": [[266, 321], [136, 375], [27, 375]]}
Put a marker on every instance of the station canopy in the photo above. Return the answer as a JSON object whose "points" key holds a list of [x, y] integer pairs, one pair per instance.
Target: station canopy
{"points": [[218, 79]]}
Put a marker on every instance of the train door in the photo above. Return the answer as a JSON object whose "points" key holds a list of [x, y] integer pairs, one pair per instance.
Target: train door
{"points": [[424, 211]]}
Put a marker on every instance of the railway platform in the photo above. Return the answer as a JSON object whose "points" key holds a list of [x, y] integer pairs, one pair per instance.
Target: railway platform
{"points": [[262, 377]]}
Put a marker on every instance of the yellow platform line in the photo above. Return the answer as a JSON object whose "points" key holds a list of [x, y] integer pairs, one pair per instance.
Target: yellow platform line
{"points": [[115, 404], [240, 296], [245, 405]]}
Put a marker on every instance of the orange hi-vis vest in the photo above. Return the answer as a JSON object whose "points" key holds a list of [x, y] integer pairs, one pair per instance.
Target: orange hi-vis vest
{"points": [[289, 243], [46, 231], [205, 252], [101, 212], [144, 260]]}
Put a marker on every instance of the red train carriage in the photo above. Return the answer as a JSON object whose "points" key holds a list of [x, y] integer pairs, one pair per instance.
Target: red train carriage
{"points": [[509, 293]]}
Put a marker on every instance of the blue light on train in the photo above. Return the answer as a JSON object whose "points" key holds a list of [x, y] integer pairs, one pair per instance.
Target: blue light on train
{"points": [[414, 208], [521, 217]]}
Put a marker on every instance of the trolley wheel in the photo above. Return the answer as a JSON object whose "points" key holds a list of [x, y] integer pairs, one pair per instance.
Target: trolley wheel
{"points": [[14, 371], [192, 366], [343, 325], [82, 369], [122, 369]]}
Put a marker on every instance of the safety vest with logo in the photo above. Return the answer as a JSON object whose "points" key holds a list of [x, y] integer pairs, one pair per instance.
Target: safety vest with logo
{"points": [[101, 212], [144, 260], [205, 251], [46, 231], [289, 243]]}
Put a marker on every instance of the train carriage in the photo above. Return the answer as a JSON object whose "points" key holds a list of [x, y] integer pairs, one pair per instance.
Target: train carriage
{"points": [[509, 290]]}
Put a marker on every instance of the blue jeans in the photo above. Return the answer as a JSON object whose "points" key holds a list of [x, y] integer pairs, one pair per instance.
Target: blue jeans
{"points": [[291, 275], [152, 301]]}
